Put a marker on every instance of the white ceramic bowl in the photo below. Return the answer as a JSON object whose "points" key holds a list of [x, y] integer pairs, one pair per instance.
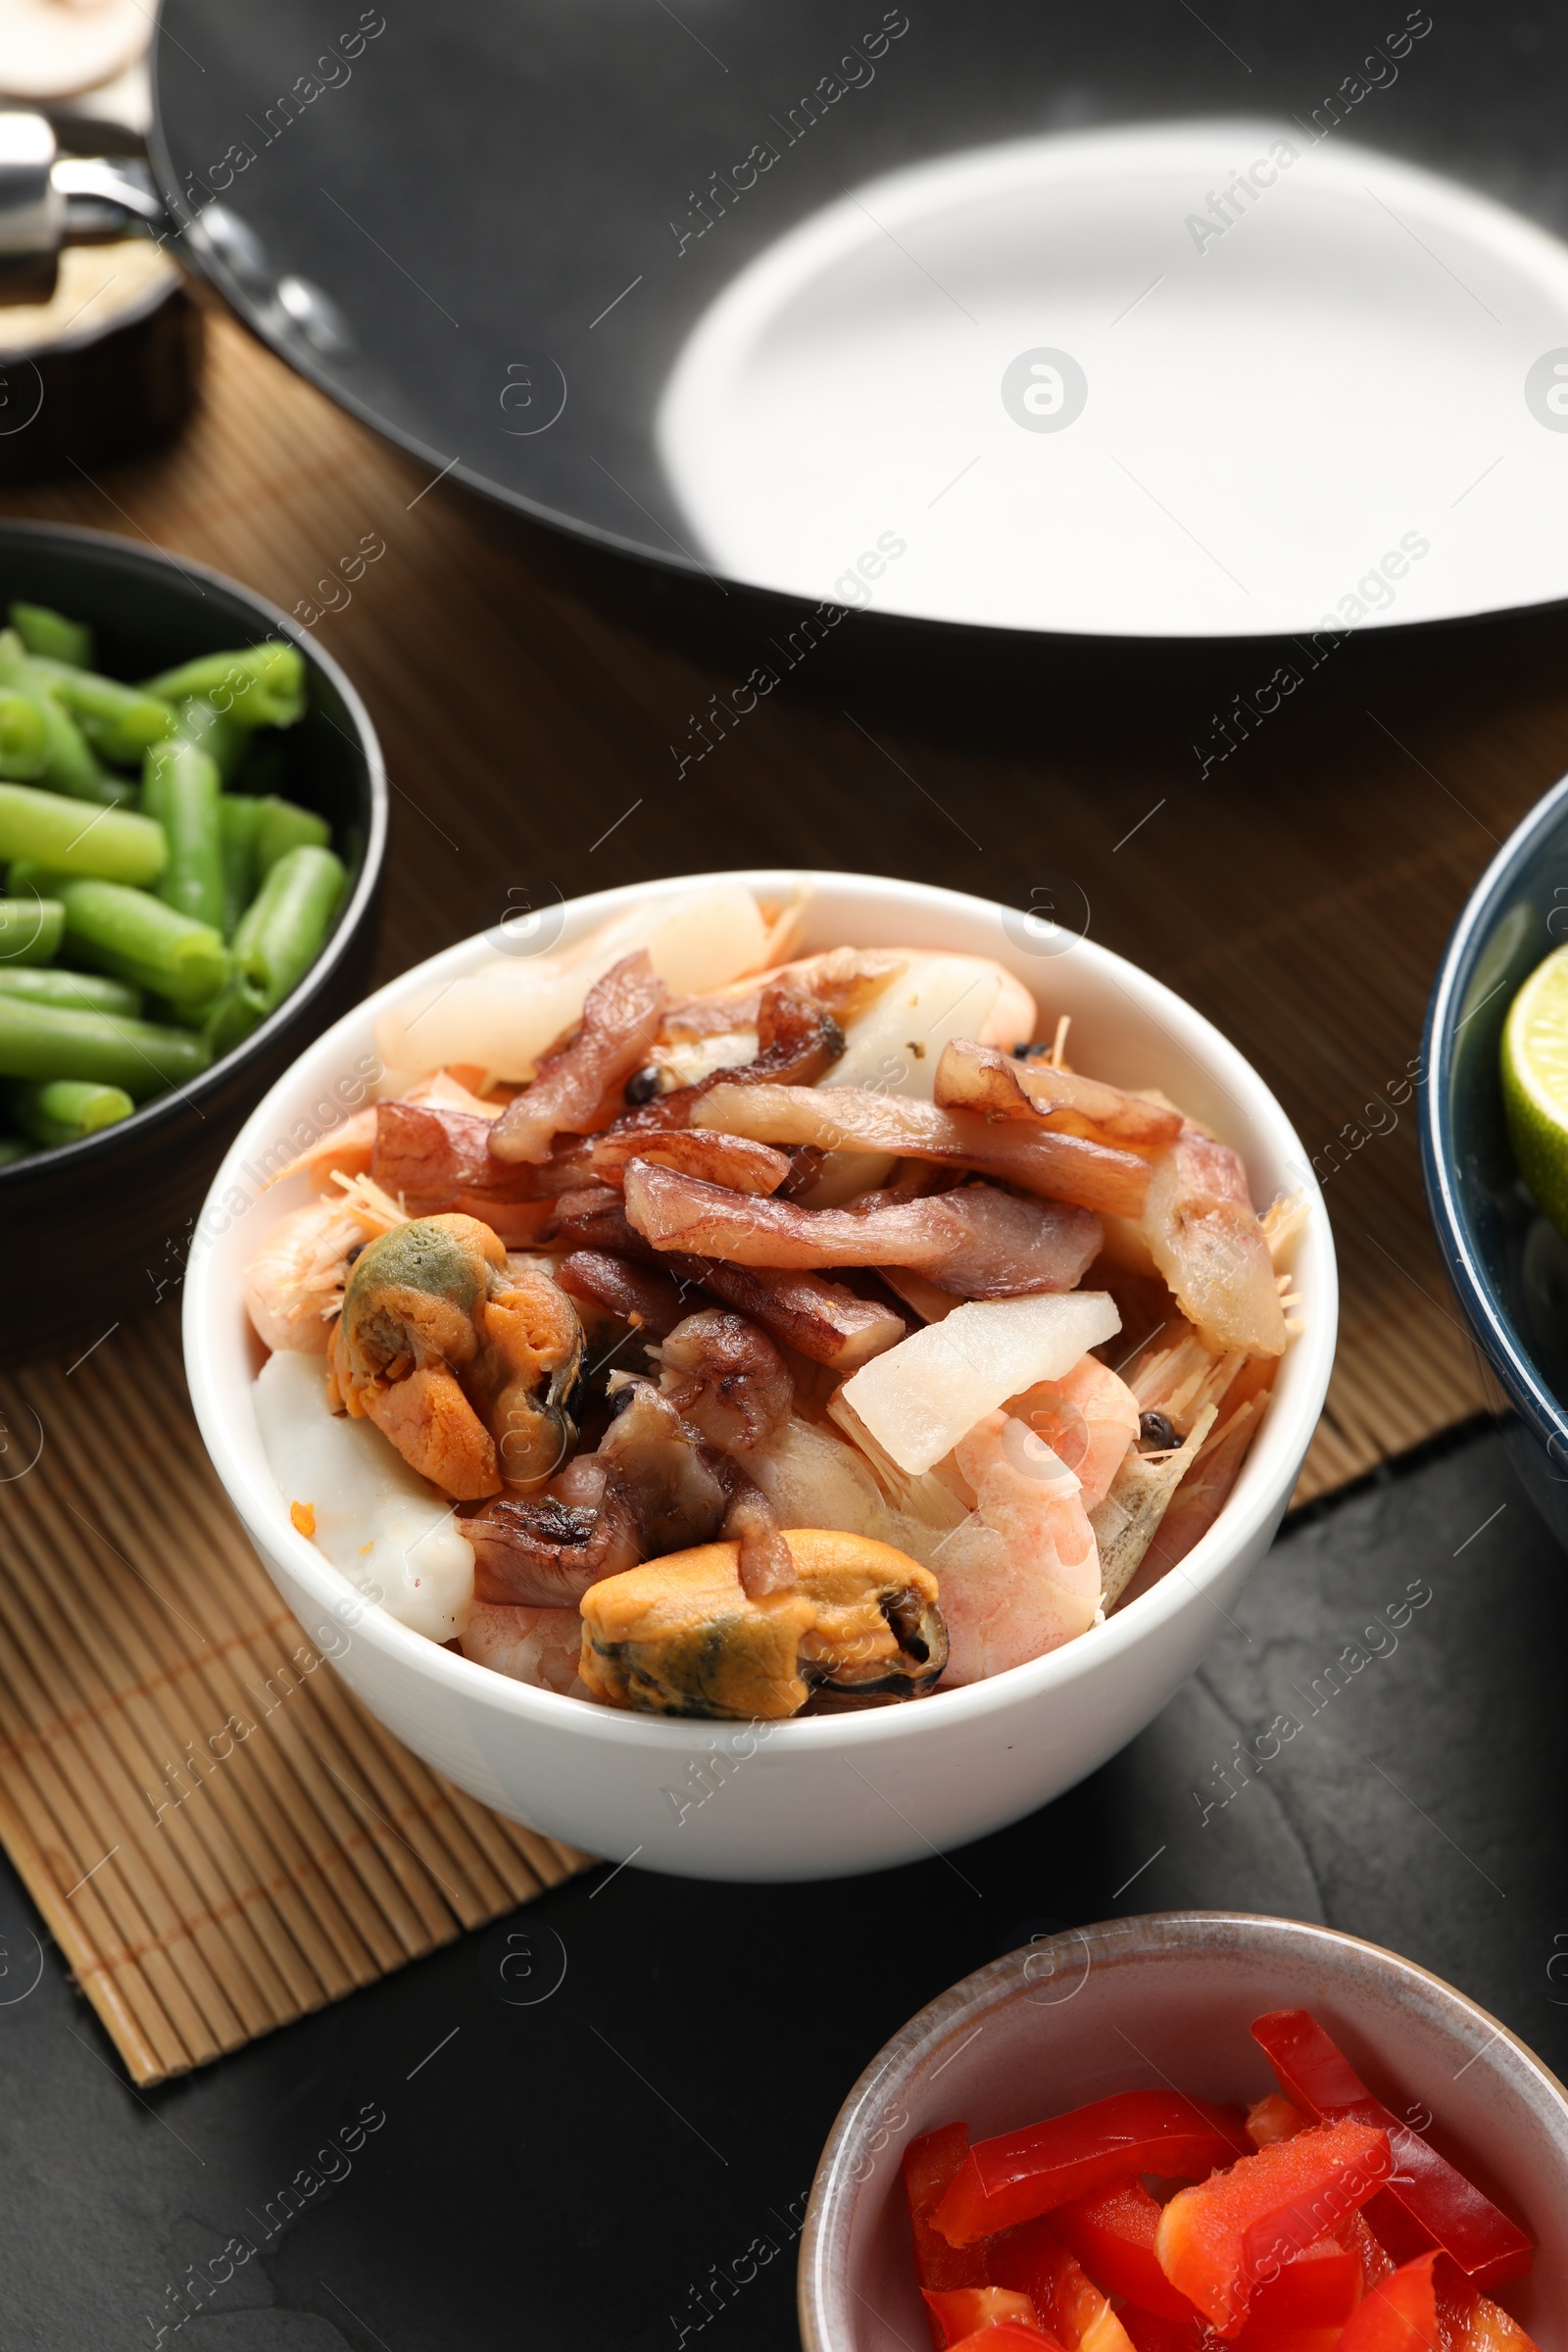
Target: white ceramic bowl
{"points": [[1136, 2003], [836, 1794]]}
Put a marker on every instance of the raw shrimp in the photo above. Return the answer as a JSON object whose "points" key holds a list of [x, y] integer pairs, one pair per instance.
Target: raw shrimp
{"points": [[541, 1646], [1021, 1575], [294, 1284], [1088, 1420]]}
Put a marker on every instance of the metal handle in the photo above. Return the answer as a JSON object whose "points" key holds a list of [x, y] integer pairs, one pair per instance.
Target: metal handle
{"points": [[48, 200]]}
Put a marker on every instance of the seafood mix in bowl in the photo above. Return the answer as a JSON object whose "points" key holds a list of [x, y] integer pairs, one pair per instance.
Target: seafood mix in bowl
{"points": [[701, 1328]]}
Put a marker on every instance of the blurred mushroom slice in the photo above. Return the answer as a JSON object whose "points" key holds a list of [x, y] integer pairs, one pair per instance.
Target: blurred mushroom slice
{"points": [[1062, 1166], [1207, 1240], [978, 1242], [1029, 1092], [681, 1637], [734, 1160], [1126, 1522], [619, 1022]]}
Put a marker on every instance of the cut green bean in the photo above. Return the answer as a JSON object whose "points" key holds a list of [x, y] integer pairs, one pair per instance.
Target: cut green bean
{"points": [[281, 826], [180, 792], [283, 929], [71, 991], [238, 816], [116, 844], [44, 1041], [31, 930], [137, 938], [215, 732], [62, 1110], [240, 1008], [71, 765], [43, 632], [24, 737], [263, 685], [118, 720]]}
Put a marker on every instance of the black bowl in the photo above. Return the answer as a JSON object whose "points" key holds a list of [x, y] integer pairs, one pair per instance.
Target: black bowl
{"points": [[98, 1230], [1507, 1262]]}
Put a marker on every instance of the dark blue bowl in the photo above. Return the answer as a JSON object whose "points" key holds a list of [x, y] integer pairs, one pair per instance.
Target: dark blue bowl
{"points": [[1508, 1264]]}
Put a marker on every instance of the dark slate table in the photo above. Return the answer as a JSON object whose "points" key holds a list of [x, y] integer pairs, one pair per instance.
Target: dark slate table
{"points": [[467, 2158]]}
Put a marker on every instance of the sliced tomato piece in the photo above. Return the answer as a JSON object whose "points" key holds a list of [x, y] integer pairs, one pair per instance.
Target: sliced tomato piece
{"points": [[964, 2310], [1219, 2242], [1112, 2233], [1400, 2315], [1020, 2174]]}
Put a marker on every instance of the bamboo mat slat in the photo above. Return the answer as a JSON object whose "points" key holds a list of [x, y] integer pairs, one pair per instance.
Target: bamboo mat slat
{"points": [[218, 1834], [1298, 899]]}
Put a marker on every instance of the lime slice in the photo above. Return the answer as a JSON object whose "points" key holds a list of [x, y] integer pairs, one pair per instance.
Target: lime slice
{"points": [[1535, 1084]]}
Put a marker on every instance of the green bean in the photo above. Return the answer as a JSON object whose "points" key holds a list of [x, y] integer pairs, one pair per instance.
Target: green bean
{"points": [[23, 736], [282, 827], [215, 732], [44, 1041], [116, 844], [135, 937], [237, 816], [263, 685], [61, 1110], [119, 720], [11, 1148], [43, 632], [282, 931], [71, 991], [31, 930], [181, 791], [240, 1008]]}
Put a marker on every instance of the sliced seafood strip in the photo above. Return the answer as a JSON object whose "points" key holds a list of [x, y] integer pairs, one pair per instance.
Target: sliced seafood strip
{"points": [[619, 1022], [1030, 1090]]}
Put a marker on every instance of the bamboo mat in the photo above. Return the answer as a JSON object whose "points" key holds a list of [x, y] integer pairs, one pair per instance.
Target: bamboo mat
{"points": [[218, 1836], [1299, 895]]}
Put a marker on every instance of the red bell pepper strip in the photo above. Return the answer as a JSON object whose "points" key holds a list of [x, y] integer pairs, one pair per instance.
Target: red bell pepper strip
{"points": [[1220, 2242], [1273, 2118], [1112, 2234], [1152, 2331], [1428, 2203], [929, 2165], [1399, 2316], [1469, 2322], [1319, 2289], [964, 2311], [1008, 2335], [1067, 2302], [1022, 2174]]}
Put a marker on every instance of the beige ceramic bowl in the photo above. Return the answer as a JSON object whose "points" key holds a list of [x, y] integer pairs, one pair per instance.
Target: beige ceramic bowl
{"points": [[1134, 2003]]}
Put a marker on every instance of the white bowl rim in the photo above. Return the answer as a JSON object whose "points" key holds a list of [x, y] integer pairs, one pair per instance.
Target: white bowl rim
{"points": [[1140, 1935], [1246, 1511]]}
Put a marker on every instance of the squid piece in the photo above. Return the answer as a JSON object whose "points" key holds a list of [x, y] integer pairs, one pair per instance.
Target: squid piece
{"points": [[1207, 1240], [819, 1319], [642, 1295], [1063, 1166], [438, 1163], [977, 1242], [469, 1366], [1031, 1093], [1127, 1518], [619, 1022], [729, 1159], [545, 1554], [727, 1379], [682, 1636], [541, 1646], [798, 1042]]}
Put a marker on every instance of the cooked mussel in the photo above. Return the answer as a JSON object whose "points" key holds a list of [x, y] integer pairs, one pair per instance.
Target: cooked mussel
{"points": [[679, 1635], [468, 1363]]}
